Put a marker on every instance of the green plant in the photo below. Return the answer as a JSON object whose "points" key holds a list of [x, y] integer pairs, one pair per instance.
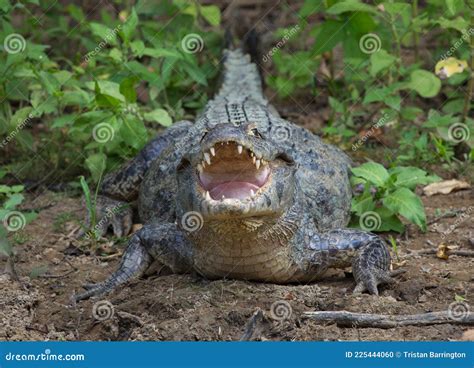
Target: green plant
{"points": [[382, 196], [11, 219], [124, 79]]}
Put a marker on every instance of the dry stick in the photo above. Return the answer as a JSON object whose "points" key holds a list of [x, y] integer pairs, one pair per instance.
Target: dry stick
{"points": [[350, 319], [252, 325], [463, 253]]}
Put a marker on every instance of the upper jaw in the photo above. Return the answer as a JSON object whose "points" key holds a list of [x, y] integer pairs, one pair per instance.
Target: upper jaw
{"points": [[231, 170], [210, 150]]}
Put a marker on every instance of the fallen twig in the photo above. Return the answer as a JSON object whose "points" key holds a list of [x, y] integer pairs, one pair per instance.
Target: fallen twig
{"points": [[350, 319], [252, 325], [48, 276], [463, 253]]}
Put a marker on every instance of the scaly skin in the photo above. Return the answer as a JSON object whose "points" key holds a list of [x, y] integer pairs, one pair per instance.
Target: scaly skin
{"points": [[292, 229]]}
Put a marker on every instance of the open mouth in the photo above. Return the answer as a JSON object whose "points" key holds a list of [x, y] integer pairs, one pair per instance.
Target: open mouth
{"points": [[230, 170]]}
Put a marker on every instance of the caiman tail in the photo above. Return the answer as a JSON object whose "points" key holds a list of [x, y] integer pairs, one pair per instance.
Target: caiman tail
{"points": [[241, 78]]}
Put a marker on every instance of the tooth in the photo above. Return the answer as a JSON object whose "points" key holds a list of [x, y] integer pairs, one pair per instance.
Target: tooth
{"points": [[203, 164], [200, 168], [254, 159], [240, 149], [252, 193], [223, 197], [257, 163], [208, 196], [251, 154], [213, 151], [207, 158], [264, 162]]}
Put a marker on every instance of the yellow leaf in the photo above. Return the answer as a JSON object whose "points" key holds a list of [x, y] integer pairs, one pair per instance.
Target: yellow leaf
{"points": [[450, 66]]}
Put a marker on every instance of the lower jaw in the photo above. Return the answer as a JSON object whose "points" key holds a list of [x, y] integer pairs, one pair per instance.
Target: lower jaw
{"points": [[235, 190]]}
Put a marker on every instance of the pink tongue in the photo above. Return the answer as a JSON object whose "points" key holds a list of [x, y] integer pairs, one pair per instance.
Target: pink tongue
{"points": [[234, 189]]}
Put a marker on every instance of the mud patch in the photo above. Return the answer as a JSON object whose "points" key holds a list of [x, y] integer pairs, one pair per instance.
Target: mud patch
{"points": [[186, 307]]}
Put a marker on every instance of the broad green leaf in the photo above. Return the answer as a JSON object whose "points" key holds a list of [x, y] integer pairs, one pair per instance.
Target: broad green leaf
{"points": [[96, 165], [327, 35], [104, 33], [161, 52], [459, 24], [127, 89], [389, 221], [133, 132], [410, 177], [63, 120], [13, 201], [137, 47], [351, 6], [406, 203], [107, 94], [399, 10], [372, 172], [160, 116], [20, 117], [376, 94], [425, 83], [362, 204], [436, 120], [454, 6], [195, 73], [380, 60], [51, 84], [128, 28], [212, 14], [76, 98]]}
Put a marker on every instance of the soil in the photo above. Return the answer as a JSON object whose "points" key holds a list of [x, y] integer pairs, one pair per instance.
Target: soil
{"points": [[52, 265]]}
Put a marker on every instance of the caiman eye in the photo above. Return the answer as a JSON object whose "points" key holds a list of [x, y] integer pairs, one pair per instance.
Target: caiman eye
{"points": [[255, 133], [204, 136]]}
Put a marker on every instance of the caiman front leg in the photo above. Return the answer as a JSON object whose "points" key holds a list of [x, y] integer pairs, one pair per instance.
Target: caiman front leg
{"points": [[366, 252], [120, 188], [154, 242]]}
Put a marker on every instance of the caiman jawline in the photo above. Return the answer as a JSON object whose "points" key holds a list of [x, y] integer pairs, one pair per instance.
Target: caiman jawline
{"points": [[229, 170]]}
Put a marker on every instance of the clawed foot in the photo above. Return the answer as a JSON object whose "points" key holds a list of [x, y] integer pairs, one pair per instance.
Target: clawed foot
{"points": [[109, 213], [371, 279]]}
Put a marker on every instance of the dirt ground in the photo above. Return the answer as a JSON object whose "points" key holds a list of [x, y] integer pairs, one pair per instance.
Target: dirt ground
{"points": [[52, 266]]}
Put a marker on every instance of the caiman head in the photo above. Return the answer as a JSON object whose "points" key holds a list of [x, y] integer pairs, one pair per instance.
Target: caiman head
{"points": [[236, 172]]}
